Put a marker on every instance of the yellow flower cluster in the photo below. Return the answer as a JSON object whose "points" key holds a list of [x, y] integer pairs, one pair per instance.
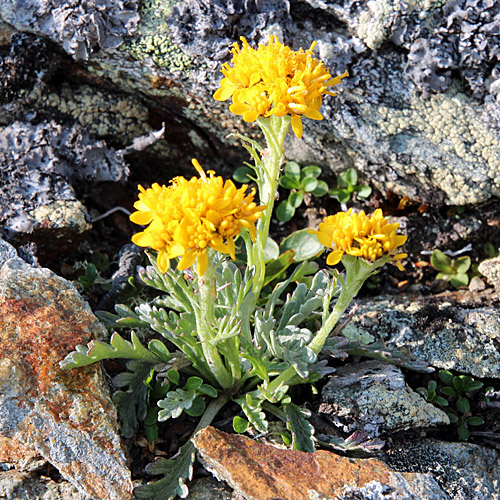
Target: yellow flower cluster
{"points": [[275, 80], [190, 216], [360, 235]]}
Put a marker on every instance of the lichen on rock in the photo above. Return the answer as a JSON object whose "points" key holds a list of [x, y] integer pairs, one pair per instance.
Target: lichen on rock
{"points": [[80, 26]]}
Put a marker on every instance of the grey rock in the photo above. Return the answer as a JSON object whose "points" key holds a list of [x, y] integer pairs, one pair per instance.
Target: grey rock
{"points": [[372, 397], [67, 417], [80, 27], [36, 195], [440, 331], [17, 485], [491, 269], [422, 121], [464, 471], [208, 488]]}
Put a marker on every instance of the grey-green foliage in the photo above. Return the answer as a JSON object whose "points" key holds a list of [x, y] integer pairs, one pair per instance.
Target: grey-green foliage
{"points": [[175, 473]]}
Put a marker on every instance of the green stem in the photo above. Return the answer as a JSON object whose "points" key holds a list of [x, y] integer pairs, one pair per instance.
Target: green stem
{"points": [[205, 316], [275, 130], [357, 272], [211, 411]]}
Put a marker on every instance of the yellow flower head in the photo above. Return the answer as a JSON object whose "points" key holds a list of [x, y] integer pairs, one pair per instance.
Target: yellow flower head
{"points": [[190, 216], [275, 80], [360, 235]]}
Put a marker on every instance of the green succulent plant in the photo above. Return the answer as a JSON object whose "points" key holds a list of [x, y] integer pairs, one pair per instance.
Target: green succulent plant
{"points": [[452, 270], [300, 181], [347, 185], [456, 404]]}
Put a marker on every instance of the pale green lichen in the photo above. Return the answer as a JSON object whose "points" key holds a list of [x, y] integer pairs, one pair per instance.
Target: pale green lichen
{"points": [[152, 39], [457, 125], [100, 113], [61, 215]]}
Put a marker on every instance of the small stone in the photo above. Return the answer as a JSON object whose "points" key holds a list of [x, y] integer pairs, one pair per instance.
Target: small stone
{"points": [[65, 416], [261, 471], [491, 269], [476, 284], [372, 397]]}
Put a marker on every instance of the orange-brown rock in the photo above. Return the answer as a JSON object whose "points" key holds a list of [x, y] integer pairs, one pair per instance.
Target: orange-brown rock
{"points": [[65, 416], [261, 471]]}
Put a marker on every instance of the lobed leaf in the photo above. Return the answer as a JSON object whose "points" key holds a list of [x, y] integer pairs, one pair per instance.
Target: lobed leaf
{"points": [[132, 403], [302, 431], [175, 473], [117, 348]]}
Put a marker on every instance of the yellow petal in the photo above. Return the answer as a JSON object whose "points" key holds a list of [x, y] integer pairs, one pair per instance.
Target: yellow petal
{"points": [[142, 239], [239, 108], [251, 115], [187, 260], [225, 91], [297, 125], [202, 263], [163, 262], [141, 218], [314, 114], [334, 257]]}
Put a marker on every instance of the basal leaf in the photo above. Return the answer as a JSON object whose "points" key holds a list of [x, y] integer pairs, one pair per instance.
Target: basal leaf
{"points": [[117, 348], [302, 431], [240, 425], [285, 211], [278, 266], [311, 171], [175, 473], [132, 402], [175, 403], [253, 411], [305, 245], [292, 169]]}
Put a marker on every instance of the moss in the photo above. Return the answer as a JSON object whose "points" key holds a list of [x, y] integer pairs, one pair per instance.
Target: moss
{"points": [[152, 39]]}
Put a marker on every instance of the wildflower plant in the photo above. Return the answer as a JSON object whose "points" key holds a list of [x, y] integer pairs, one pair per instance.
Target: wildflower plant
{"points": [[227, 341]]}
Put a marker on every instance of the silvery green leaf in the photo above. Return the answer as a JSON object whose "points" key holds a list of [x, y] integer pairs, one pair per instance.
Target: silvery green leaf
{"points": [[175, 403], [252, 408], [117, 348], [175, 473], [302, 431]]}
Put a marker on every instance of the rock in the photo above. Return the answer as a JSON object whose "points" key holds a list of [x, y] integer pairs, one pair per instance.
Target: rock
{"points": [[67, 417], [419, 115], [16, 485], [443, 333], [372, 397], [260, 471], [37, 200], [464, 471], [79, 28], [208, 488], [491, 269]]}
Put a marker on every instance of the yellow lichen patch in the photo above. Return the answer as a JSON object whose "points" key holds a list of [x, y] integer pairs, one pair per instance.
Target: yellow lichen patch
{"points": [[360, 235], [190, 216], [275, 80]]}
